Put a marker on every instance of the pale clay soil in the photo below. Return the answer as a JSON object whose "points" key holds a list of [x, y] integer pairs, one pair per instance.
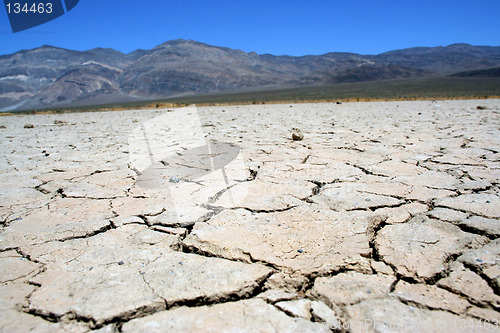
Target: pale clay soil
{"points": [[384, 218]]}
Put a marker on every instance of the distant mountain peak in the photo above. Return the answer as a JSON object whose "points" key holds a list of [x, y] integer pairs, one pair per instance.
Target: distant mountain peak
{"points": [[458, 44], [46, 46]]}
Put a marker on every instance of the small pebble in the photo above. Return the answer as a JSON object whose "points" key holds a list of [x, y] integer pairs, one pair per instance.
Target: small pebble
{"points": [[297, 134]]}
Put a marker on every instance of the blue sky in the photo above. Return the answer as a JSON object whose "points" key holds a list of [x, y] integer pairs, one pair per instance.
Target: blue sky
{"points": [[293, 27]]}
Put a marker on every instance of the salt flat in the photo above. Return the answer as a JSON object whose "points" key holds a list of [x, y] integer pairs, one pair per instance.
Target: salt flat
{"points": [[384, 217]]}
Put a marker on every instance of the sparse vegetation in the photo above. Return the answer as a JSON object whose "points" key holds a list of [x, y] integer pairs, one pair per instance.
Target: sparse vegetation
{"points": [[409, 89], [428, 88]]}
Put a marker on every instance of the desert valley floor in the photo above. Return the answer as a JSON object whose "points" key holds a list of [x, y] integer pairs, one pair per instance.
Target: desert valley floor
{"points": [[385, 217]]}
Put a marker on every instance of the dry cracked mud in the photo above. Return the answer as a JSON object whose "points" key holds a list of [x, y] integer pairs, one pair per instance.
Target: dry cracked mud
{"points": [[385, 217]]}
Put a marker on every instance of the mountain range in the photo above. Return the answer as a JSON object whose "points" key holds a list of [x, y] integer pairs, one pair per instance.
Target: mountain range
{"points": [[49, 76]]}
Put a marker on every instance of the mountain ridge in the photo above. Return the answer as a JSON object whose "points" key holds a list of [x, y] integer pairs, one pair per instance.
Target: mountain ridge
{"points": [[50, 76]]}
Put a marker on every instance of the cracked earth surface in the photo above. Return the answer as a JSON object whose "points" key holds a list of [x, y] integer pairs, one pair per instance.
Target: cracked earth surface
{"points": [[384, 218]]}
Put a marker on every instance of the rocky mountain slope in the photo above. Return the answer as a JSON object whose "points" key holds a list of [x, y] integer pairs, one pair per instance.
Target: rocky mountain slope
{"points": [[49, 76]]}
